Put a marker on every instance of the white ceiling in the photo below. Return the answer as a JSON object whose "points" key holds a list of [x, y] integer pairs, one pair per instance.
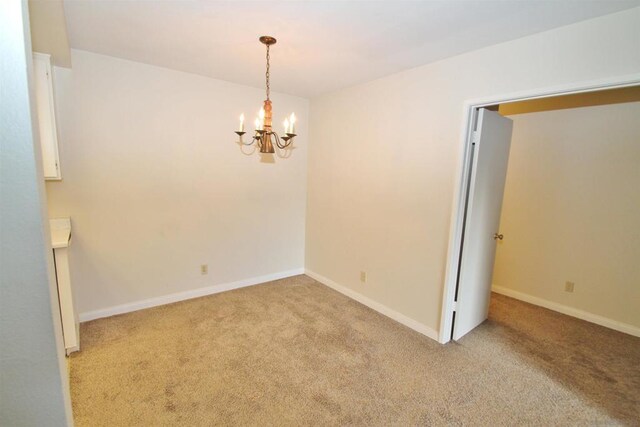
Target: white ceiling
{"points": [[322, 45]]}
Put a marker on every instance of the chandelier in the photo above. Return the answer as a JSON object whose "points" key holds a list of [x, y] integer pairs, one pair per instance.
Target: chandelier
{"points": [[264, 135]]}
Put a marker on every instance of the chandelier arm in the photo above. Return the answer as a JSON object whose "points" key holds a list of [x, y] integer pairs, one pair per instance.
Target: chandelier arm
{"points": [[248, 143], [278, 143], [287, 142]]}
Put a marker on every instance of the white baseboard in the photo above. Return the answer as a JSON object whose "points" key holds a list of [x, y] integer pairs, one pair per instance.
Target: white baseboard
{"points": [[182, 296], [380, 308], [570, 311]]}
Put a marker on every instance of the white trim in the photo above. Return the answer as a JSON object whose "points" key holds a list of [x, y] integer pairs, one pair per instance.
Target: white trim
{"points": [[374, 305], [457, 211], [617, 82], [186, 295], [570, 311], [72, 349]]}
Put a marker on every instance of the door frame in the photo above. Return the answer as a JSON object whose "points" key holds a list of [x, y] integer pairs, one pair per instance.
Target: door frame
{"points": [[462, 183]]}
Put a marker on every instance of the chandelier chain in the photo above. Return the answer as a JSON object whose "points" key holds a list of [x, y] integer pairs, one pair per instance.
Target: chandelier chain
{"points": [[267, 73]]}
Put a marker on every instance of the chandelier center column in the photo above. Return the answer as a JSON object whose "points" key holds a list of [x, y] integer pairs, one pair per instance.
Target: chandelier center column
{"points": [[267, 145]]}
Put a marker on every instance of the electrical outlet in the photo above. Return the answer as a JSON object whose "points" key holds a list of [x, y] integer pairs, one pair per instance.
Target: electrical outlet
{"points": [[204, 269], [568, 286], [363, 276]]}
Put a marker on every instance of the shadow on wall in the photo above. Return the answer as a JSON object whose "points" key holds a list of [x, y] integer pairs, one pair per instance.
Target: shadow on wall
{"points": [[251, 149]]}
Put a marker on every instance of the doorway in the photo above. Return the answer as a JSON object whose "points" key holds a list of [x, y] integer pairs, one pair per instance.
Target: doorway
{"points": [[480, 188]]}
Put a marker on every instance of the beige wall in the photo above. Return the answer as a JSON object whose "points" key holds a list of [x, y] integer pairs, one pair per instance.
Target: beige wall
{"points": [[34, 387], [384, 156], [155, 185], [49, 30], [571, 210]]}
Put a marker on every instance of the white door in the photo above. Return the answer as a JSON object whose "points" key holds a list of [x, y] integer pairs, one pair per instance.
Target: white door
{"points": [[486, 187]]}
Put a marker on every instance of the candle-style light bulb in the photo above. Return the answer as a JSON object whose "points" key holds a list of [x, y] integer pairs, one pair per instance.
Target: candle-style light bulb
{"points": [[261, 115], [292, 121], [286, 125], [257, 124], [241, 128]]}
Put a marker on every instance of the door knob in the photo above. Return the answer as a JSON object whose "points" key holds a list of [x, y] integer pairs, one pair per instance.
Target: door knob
{"points": [[498, 236]]}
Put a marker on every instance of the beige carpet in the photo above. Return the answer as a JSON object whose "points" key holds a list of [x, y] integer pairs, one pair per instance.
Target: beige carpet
{"points": [[294, 352]]}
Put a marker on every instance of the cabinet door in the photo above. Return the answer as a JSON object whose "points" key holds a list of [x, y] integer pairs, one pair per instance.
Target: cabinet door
{"points": [[46, 115], [70, 325]]}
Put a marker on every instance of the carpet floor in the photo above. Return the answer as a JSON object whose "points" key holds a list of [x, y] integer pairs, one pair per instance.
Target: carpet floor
{"points": [[294, 352]]}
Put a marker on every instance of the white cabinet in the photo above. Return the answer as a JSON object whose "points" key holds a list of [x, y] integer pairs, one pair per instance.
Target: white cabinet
{"points": [[43, 77], [60, 241]]}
